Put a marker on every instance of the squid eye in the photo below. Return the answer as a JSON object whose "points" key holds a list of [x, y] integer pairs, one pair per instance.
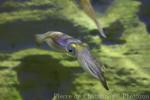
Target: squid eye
{"points": [[71, 50]]}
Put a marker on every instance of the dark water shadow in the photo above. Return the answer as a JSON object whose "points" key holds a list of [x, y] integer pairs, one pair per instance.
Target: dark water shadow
{"points": [[2, 1], [3, 68], [114, 35], [100, 6], [114, 32], [144, 13], [11, 8], [41, 76], [20, 34]]}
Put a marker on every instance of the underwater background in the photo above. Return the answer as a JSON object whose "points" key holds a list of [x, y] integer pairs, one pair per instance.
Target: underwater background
{"points": [[28, 72]]}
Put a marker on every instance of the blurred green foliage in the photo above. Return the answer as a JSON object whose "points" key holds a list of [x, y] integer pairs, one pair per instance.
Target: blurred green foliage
{"points": [[127, 65]]}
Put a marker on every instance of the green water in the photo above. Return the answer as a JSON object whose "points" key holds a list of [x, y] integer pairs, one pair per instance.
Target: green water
{"points": [[31, 73]]}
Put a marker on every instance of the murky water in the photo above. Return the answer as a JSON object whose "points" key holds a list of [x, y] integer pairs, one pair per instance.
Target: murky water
{"points": [[19, 35], [40, 81], [144, 13]]}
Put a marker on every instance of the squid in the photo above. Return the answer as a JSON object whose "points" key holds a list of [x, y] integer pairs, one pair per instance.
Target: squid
{"points": [[64, 43]]}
